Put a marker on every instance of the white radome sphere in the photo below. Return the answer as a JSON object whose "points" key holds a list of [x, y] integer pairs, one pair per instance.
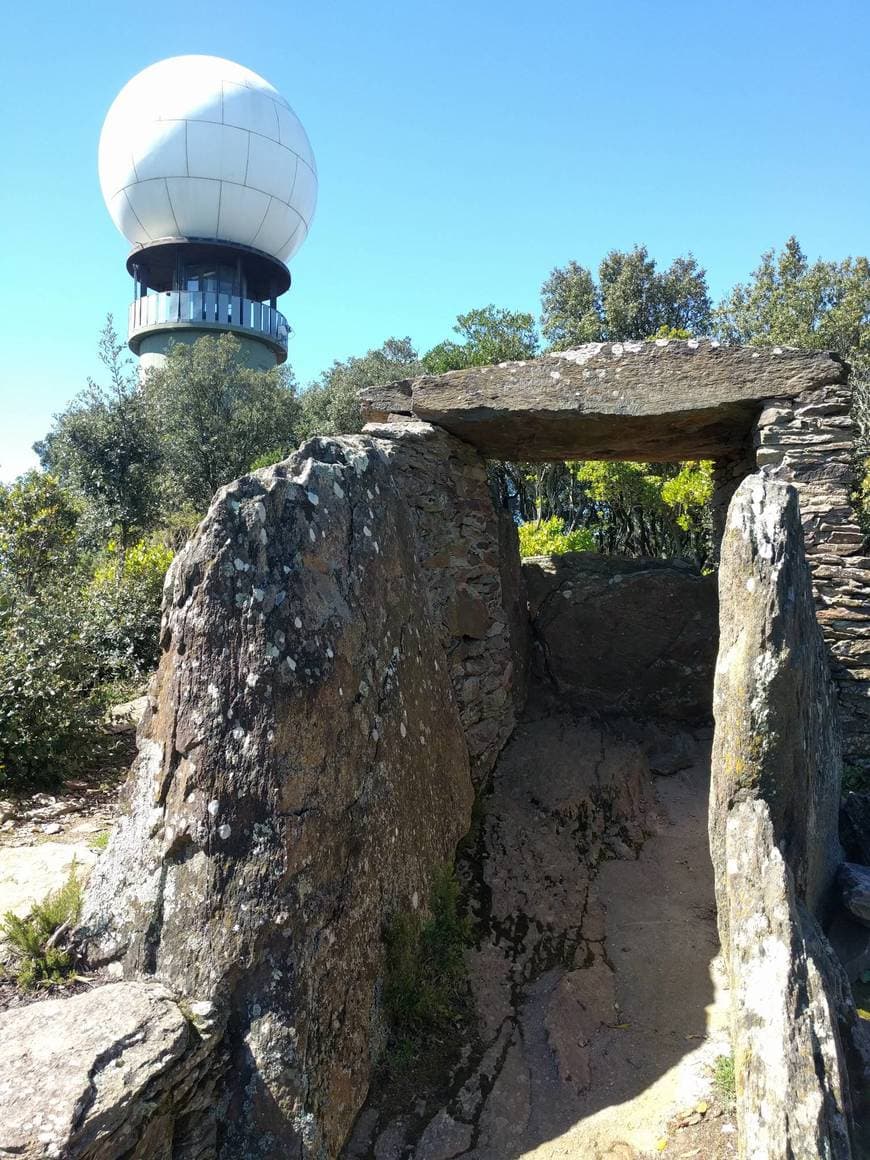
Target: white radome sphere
{"points": [[200, 147]]}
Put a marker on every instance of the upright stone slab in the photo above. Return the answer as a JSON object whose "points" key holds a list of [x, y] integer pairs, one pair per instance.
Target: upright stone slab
{"points": [[470, 556], [302, 772], [773, 836]]}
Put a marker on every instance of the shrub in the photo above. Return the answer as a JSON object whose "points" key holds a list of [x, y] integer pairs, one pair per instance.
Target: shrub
{"points": [[48, 713], [34, 940], [549, 538], [122, 611]]}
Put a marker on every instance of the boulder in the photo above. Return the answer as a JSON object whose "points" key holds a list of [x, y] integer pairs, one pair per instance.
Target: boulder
{"points": [[112, 1072], [302, 772], [625, 636], [854, 884]]}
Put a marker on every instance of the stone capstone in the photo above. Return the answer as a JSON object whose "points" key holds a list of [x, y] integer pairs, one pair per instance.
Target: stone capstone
{"points": [[625, 636], [302, 772], [662, 401], [122, 1070]]}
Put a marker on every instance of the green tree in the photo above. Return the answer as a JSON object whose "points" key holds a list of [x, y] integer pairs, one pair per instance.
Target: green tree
{"points": [[821, 305], [38, 521], [632, 299], [490, 335], [105, 448], [330, 406], [214, 416], [571, 311]]}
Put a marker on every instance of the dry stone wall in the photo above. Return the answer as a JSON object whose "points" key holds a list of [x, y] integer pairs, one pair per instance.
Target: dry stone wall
{"points": [[810, 441]]}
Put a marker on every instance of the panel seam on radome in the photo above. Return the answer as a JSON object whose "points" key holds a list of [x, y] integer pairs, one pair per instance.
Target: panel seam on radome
{"points": [[136, 216], [225, 180], [186, 154], [172, 208], [263, 222], [217, 223], [277, 124], [247, 162], [301, 222], [293, 186], [241, 129]]}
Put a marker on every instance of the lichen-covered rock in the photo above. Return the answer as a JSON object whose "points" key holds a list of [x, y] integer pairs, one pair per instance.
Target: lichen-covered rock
{"points": [[773, 835], [793, 1096], [109, 1073], [302, 771], [625, 636], [777, 731]]}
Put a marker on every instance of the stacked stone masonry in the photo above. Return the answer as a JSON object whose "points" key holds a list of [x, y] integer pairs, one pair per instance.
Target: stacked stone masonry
{"points": [[810, 441]]}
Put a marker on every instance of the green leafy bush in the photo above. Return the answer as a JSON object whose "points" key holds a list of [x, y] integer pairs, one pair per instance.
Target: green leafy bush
{"points": [[35, 941], [122, 611], [549, 538], [48, 711], [689, 492]]}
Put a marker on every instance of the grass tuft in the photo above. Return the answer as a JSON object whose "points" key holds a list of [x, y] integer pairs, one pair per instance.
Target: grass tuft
{"points": [[36, 941], [723, 1079]]}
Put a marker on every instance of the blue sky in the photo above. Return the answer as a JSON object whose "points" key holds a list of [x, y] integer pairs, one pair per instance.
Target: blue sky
{"points": [[464, 149]]}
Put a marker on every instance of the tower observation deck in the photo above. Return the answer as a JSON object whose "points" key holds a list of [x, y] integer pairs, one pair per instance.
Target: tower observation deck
{"points": [[209, 174]]}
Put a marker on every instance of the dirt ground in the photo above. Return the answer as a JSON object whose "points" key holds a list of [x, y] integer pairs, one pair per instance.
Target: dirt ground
{"points": [[599, 1006]]}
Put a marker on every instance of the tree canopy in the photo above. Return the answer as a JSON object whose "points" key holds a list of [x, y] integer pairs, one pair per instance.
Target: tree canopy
{"points": [[105, 448], [632, 299], [330, 405], [214, 416], [490, 335]]}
